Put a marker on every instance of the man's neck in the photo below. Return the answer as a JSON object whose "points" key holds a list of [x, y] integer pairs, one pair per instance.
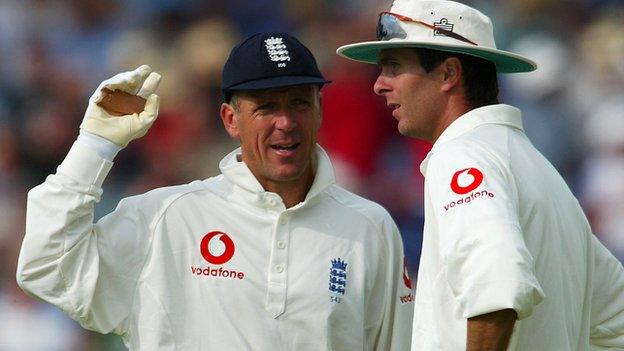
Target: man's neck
{"points": [[455, 108], [291, 192]]}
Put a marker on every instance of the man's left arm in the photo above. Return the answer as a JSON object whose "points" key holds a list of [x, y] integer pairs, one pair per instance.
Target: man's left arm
{"points": [[393, 283], [490, 331], [488, 266]]}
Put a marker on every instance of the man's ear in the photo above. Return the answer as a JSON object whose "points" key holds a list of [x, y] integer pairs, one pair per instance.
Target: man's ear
{"points": [[452, 73], [230, 122]]}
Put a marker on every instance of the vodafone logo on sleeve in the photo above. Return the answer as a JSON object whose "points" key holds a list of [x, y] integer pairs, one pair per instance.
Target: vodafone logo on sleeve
{"points": [[406, 279], [217, 248], [466, 180], [408, 284]]}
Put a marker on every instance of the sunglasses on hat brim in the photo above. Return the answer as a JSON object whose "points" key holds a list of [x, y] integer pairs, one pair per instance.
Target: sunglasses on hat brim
{"points": [[389, 27]]}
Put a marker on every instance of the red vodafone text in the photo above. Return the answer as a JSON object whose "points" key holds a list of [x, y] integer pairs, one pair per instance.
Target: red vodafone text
{"points": [[407, 298], [210, 272], [468, 199]]}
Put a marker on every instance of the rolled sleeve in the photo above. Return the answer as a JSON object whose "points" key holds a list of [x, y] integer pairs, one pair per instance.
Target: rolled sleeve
{"points": [[488, 266], [491, 270]]}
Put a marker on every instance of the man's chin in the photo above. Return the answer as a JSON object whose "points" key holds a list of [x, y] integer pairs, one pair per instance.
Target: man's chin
{"points": [[408, 130], [288, 175], [404, 130], [289, 172]]}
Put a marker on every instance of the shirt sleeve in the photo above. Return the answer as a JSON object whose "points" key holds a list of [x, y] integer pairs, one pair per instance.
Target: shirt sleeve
{"points": [[395, 328], [90, 271], [475, 206], [607, 307]]}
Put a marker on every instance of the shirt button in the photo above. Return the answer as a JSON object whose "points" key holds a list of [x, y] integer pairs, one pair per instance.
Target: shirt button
{"points": [[279, 269], [281, 244], [272, 202], [282, 221]]}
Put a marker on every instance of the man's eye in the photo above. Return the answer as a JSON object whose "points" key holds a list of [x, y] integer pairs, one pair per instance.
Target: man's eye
{"points": [[265, 107], [389, 67], [300, 103]]}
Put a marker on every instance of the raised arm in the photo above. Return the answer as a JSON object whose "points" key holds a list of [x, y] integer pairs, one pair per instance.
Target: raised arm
{"points": [[89, 270]]}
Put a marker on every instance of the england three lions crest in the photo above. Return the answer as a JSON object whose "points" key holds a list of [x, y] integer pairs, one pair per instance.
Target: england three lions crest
{"points": [[277, 50], [337, 279]]}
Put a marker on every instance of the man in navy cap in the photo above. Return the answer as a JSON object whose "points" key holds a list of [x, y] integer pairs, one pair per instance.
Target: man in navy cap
{"points": [[269, 255]]}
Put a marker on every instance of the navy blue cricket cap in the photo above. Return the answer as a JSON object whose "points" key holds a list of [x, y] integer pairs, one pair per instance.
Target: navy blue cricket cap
{"points": [[269, 60]]}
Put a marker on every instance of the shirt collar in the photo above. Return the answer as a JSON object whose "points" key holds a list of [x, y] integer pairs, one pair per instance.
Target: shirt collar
{"points": [[491, 114], [246, 184]]}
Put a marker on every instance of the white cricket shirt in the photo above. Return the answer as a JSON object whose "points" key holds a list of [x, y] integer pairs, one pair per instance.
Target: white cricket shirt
{"points": [[218, 264], [502, 230]]}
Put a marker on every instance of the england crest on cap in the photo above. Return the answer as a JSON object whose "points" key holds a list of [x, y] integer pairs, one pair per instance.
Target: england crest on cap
{"points": [[277, 50]]}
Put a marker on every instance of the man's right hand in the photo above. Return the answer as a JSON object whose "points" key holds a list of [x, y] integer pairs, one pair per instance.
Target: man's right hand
{"points": [[121, 130]]}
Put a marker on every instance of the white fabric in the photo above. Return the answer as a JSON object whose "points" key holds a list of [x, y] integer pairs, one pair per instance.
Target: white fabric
{"points": [[514, 237], [450, 15], [140, 272], [104, 147]]}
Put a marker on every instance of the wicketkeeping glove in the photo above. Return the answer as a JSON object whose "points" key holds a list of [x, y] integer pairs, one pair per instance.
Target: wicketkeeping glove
{"points": [[123, 129]]}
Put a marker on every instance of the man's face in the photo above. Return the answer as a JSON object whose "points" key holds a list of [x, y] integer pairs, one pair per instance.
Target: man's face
{"points": [[414, 95], [277, 129]]}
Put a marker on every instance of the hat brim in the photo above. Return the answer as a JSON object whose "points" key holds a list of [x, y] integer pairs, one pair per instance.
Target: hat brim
{"points": [[506, 62], [277, 82]]}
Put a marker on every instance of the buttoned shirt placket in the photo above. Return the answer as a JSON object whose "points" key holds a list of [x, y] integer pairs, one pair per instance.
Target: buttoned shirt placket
{"points": [[278, 260]]}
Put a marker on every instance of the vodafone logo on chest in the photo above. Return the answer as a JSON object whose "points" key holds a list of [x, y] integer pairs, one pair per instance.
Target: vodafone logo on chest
{"points": [[217, 248], [221, 258], [465, 182]]}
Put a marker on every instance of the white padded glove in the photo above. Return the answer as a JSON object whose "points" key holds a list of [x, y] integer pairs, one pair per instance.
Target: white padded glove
{"points": [[123, 129]]}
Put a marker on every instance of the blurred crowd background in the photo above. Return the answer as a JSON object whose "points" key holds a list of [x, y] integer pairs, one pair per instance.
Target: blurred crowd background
{"points": [[54, 53]]}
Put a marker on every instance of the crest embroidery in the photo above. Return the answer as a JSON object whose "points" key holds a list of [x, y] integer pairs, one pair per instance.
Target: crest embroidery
{"points": [[442, 27], [338, 276], [277, 51]]}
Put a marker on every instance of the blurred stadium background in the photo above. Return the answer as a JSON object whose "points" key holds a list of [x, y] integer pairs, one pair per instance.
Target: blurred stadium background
{"points": [[53, 54]]}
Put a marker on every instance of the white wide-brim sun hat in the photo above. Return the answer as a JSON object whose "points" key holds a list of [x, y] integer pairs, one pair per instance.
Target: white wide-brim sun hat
{"points": [[438, 25]]}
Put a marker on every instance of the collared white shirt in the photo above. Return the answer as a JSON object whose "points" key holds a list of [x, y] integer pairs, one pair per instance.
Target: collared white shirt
{"points": [[218, 264], [502, 230]]}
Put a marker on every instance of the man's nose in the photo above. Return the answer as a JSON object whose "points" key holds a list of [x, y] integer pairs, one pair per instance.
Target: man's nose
{"points": [[381, 85], [285, 120]]}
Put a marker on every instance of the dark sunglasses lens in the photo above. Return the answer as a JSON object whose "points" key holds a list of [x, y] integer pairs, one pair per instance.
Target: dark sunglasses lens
{"points": [[388, 28]]}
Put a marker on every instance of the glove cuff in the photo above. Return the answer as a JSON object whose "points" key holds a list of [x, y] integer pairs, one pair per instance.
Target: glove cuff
{"points": [[104, 147]]}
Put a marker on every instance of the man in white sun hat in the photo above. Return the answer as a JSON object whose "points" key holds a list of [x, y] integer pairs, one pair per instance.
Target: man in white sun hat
{"points": [[509, 260]]}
